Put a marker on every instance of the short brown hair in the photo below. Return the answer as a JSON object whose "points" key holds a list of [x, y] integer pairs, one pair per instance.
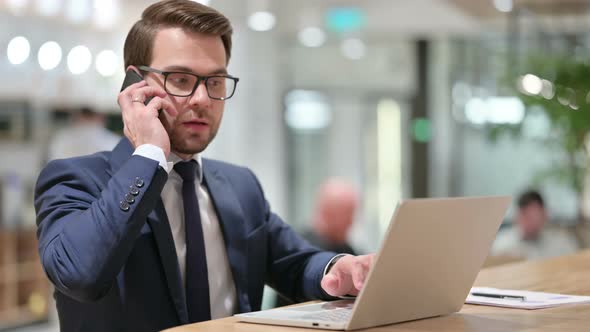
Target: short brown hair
{"points": [[188, 15], [530, 197]]}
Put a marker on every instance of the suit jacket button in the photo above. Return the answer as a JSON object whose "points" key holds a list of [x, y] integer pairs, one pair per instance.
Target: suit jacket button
{"points": [[138, 182], [124, 206], [133, 190], [129, 198]]}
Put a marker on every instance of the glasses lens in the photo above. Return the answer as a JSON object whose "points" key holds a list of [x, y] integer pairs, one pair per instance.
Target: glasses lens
{"points": [[220, 87], [180, 84]]}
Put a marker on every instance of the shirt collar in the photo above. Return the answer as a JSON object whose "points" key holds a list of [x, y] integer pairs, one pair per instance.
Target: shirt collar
{"points": [[173, 159]]}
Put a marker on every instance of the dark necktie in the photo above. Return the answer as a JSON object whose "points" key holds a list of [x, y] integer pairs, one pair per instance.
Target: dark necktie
{"points": [[197, 284]]}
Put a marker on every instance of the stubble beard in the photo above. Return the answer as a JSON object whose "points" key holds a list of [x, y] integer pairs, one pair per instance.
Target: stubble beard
{"points": [[182, 144]]}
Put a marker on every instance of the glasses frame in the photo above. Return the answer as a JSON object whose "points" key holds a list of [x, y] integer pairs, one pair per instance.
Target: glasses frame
{"points": [[199, 80]]}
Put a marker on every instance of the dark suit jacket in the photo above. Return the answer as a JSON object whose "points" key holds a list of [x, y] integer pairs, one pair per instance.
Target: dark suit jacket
{"points": [[113, 263]]}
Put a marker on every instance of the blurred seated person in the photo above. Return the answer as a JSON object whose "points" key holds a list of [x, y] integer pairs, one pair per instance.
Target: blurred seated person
{"points": [[528, 237], [336, 205], [86, 134], [335, 208]]}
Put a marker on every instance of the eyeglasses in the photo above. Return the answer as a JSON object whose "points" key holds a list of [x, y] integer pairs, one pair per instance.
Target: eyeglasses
{"points": [[183, 84]]}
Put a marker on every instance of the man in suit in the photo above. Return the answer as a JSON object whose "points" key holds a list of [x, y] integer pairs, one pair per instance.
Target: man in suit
{"points": [[151, 235]]}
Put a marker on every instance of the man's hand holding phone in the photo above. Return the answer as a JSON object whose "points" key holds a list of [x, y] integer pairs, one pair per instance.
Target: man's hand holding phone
{"points": [[140, 105]]}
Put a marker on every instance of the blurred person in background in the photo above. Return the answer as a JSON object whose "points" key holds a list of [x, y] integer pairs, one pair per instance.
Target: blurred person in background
{"points": [[528, 237], [336, 204], [151, 235], [85, 135], [334, 213]]}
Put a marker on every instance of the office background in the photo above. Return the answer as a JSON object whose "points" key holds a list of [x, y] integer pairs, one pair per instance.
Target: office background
{"points": [[398, 97]]}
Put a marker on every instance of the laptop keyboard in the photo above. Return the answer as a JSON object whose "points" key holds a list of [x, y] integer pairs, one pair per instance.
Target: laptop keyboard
{"points": [[339, 315]]}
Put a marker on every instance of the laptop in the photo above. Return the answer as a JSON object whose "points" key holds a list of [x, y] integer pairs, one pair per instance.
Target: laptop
{"points": [[427, 263]]}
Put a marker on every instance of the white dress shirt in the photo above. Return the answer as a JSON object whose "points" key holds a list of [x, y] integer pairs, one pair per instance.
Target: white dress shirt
{"points": [[222, 291], [550, 243]]}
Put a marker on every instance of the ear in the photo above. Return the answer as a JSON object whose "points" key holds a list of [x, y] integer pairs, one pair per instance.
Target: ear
{"points": [[135, 69]]}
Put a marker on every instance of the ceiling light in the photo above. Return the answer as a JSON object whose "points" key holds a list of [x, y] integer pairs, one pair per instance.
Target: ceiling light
{"points": [[79, 59], [548, 90], [18, 50], [495, 110], [261, 21], [531, 84], [49, 55], [307, 110], [106, 63], [312, 37], [353, 48]]}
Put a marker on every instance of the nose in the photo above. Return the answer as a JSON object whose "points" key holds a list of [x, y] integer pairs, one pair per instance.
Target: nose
{"points": [[200, 97]]}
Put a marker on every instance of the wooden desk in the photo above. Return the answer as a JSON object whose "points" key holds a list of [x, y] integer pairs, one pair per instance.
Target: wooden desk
{"points": [[569, 275]]}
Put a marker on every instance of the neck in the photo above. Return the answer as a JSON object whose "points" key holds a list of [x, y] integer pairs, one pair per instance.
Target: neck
{"points": [[183, 156], [530, 236], [331, 236]]}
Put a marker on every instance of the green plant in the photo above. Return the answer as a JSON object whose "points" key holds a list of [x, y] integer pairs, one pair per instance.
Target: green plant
{"points": [[559, 87]]}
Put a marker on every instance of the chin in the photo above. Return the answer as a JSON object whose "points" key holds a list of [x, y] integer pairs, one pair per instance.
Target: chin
{"points": [[188, 145], [190, 148]]}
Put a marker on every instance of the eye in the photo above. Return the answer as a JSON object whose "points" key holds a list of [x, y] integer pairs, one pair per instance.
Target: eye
{"points": [[180, 79], [216, 81]]}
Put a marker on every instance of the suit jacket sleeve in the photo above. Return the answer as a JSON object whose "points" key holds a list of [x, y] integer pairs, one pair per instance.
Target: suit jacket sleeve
{"points": [[84, 234], [295, 268]]}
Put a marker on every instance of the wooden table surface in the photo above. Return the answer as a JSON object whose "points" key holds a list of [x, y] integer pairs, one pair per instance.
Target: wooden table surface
{"points": [[566, 275]]}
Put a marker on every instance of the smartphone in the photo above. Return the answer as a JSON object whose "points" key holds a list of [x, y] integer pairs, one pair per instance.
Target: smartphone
{"points": [[132, 77]]}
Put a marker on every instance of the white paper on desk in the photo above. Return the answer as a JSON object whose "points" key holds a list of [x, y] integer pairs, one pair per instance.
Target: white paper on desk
{"points": [[534, 300]]}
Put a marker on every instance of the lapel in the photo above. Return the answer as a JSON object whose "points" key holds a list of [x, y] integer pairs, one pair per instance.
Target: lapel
{"points": [[158, 222], [231, 219]]}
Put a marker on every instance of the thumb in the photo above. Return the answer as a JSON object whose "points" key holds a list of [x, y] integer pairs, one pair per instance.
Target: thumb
{"points": [[331, 284]]}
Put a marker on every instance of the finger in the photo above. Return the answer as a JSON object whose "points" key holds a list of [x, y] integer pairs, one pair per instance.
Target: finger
{"points": [[361, 270], [359, 274], [152, 91], [143, 93], [123, 99], [339, 281], [162, 104], [331, 283], [134, 86]]}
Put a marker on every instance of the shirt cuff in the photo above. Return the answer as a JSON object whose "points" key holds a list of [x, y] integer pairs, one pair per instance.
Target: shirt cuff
{"points": [[332, 262], [154, 152]]}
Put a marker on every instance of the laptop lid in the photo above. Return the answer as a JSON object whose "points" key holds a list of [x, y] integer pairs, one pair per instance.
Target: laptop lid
{"points": [[429, 259]]}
